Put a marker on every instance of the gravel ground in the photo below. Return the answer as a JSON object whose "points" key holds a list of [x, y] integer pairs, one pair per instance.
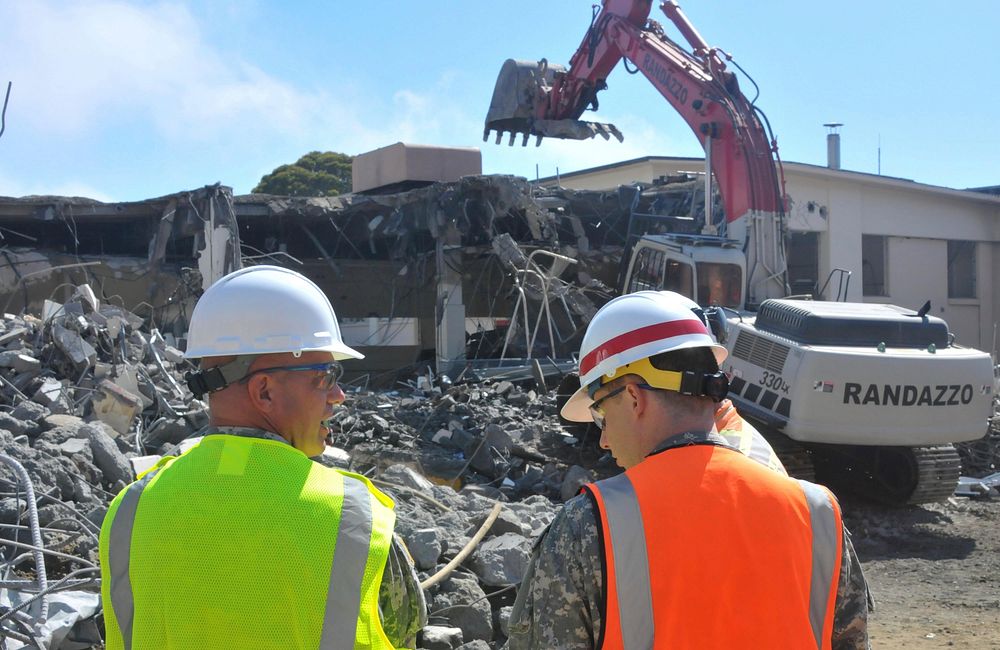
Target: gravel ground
{"points": [[934, 571]]}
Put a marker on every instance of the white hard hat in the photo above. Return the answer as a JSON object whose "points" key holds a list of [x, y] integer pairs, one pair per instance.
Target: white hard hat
{"points": [[631, 328], [263, 310], [683, 300]]}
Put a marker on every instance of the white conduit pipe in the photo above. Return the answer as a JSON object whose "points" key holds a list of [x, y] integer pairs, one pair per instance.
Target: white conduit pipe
{"points": [[36, 531]]}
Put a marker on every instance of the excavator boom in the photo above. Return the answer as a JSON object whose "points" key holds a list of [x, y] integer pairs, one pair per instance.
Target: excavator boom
{"points": [[542, 99]]}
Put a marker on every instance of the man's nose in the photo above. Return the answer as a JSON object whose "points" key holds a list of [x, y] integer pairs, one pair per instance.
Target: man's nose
{"points": [[335, 395], [604, 440]]}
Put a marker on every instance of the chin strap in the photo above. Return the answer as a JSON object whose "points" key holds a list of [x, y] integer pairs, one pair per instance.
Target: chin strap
{"points": [[202, 382]]}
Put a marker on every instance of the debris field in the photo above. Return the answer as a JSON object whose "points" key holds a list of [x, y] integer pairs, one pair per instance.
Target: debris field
{"points": [[91, 397]]}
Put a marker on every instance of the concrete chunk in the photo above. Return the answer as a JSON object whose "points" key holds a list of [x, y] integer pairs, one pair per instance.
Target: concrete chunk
{"points": [[475, 644], [78, 351], [464, 605], [491, 457], [425, 547], [87, 298], [107, 457], [502, 561], [408, 477], [17, 427], [68, 423], [339, 457], [15, 334], [52, 395], [29, 411], [439, 637], [74, 446]]}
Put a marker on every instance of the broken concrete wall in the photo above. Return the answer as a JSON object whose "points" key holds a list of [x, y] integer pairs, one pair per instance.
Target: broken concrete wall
{"points": [[152, 256], [319, 236], [525, 266]]}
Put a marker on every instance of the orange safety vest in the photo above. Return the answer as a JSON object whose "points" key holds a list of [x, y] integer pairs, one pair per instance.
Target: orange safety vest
{"points": [[705, 548]]}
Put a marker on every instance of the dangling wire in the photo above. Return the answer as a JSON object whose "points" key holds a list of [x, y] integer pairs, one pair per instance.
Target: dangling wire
{"points": [[3, 114]]}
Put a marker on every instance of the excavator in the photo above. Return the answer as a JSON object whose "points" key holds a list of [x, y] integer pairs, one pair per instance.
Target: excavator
{"points": [[867, 398]]}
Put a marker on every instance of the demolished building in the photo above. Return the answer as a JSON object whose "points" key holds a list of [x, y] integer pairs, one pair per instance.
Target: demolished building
{"points": [[482, 267]]}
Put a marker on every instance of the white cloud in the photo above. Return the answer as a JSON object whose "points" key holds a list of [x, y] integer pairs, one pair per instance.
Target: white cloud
{"points": [[77, 66], [89, 71]]}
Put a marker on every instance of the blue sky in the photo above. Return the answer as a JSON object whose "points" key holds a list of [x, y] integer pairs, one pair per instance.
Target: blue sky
{"points": [[131, 100]]}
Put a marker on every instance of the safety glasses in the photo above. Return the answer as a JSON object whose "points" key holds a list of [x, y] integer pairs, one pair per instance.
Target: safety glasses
{"points": [[331, 372], [597, 411]]}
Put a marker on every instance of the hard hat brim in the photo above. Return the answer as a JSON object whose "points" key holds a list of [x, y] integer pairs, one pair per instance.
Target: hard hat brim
{"points": [[342, 351], [577, 408]]}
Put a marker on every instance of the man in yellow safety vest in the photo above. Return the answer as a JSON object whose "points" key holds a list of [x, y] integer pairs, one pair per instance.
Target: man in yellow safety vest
{"points": [[243, 541]]}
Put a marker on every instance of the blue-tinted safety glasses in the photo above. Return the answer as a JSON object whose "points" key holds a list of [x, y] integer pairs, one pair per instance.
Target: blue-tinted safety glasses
{"points": [[332, 372]]}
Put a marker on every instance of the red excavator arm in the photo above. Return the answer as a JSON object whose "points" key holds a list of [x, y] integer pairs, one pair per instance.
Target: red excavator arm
{"points": [[547, 100]]}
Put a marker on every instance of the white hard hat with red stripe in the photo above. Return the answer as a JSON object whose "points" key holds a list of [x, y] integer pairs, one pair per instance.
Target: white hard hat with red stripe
{"points": [[631, 328]]}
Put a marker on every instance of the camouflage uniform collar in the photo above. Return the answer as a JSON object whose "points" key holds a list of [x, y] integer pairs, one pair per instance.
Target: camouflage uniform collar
{"points": [[691, 438], [249, 432]]}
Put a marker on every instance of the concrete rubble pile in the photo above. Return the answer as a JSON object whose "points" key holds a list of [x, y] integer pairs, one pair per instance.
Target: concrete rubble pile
{"points": [[85, 390], [90, 396]]}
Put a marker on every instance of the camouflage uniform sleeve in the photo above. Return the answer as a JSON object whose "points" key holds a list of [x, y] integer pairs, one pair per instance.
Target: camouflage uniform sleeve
{"points": [[850, 616], [559, 602], [401, 600]]}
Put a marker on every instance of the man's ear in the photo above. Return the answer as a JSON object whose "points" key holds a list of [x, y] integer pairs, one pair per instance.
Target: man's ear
{"points": [[260, 389], [638, 399]]}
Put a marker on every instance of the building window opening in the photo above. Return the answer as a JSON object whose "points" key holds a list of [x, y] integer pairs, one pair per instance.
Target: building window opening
{"points": [[961, 269], [874, 260]]}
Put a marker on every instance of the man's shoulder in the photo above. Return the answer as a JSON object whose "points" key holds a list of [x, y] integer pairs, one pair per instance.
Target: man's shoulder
{"points": [[575, 522]]}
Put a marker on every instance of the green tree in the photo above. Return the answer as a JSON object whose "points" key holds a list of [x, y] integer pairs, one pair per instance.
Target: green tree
{"points": [[315, 174]]}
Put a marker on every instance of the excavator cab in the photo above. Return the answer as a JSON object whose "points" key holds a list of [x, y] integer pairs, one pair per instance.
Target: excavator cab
{"points": [[520, 98]]}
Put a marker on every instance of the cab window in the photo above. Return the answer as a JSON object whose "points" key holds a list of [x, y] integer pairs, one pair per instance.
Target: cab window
{"points": [[647, 271], [719, 284]]}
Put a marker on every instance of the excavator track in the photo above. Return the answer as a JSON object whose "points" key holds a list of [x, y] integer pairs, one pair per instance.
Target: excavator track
{"points": [[894, 476], [938, 471]]}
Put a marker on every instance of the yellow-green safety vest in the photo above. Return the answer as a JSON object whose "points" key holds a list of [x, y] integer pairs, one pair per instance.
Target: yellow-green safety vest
{"points": [[245, 543]]}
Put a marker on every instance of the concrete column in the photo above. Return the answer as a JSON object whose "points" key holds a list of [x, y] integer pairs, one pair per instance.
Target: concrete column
{"points": [[450, 310]]}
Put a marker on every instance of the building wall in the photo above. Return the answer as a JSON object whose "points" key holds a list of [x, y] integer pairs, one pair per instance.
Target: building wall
{"points": [[917, 221]]}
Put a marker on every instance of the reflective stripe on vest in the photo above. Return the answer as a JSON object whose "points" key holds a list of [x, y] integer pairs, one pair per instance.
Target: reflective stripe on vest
{"points": [[626, 542], [119, 545], [350, 560], [631, 566], [826, 542], [343, 599], [744, 436]]}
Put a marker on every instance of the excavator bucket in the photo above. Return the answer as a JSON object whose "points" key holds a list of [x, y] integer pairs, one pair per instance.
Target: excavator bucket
{"points": [[520, 100]]}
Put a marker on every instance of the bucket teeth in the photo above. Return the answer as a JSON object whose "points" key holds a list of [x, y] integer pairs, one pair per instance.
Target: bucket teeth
{"points": [[564, 129]]}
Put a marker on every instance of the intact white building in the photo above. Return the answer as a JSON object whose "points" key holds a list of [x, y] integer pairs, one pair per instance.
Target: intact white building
{"points": [[904, 242]]}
